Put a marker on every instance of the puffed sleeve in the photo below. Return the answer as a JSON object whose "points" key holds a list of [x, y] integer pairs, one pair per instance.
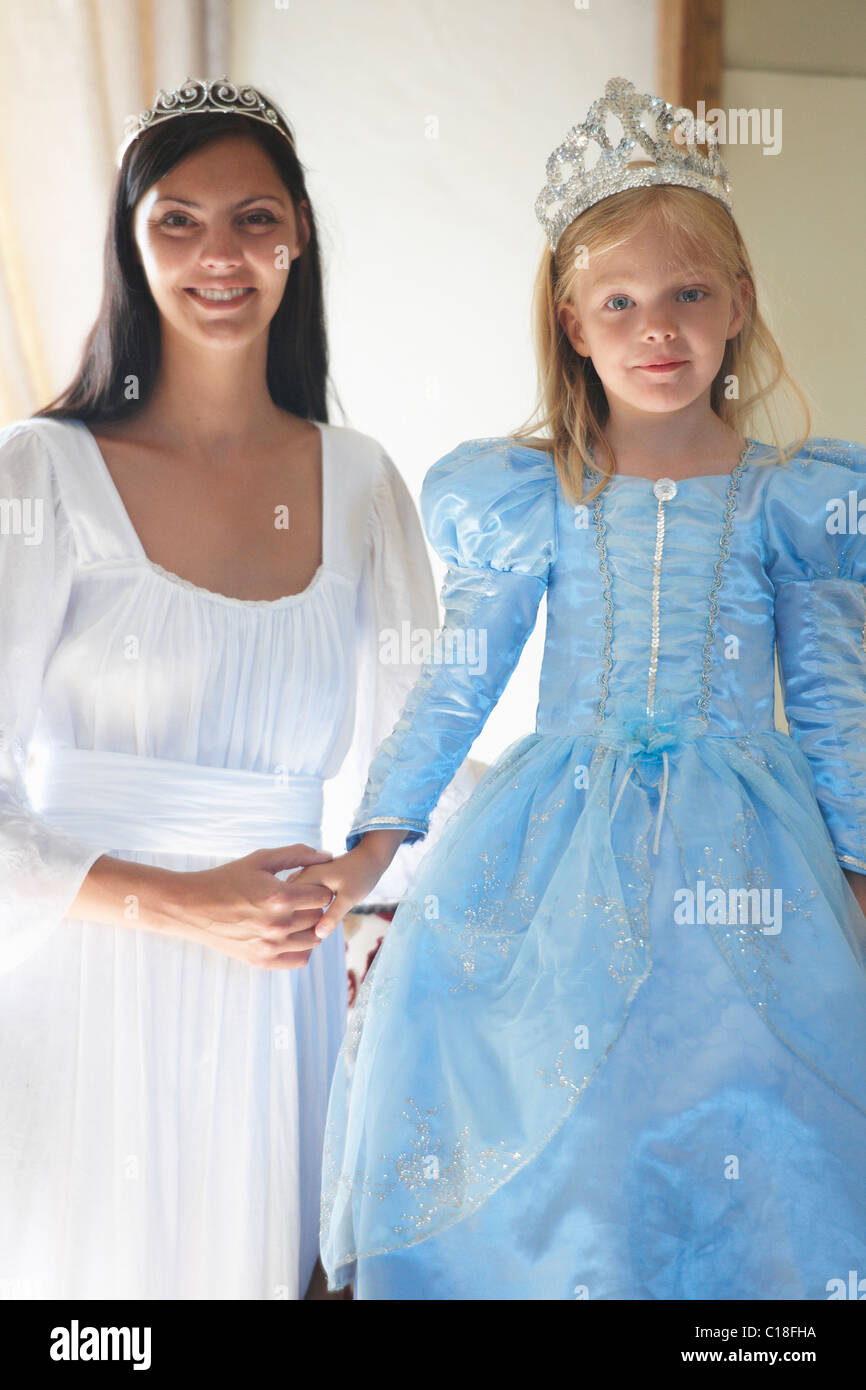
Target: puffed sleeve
{"points": [[396, 603], [815, 529], [41, 868], [489, 512]]}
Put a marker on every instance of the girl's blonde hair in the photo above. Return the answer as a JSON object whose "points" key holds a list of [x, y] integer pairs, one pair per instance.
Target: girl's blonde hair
{"points": [[572, 408]]}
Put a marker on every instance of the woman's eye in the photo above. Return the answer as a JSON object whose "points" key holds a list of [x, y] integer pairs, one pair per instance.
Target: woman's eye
{"points": [[619, 301], [693, 291], [180, 219]]}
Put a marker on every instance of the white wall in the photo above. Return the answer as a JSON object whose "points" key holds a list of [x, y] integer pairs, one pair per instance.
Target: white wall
{"points": [[802, 213]]}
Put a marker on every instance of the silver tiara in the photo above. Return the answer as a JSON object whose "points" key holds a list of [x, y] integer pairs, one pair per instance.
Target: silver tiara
{"points": [[571, 187], [197, 96]]}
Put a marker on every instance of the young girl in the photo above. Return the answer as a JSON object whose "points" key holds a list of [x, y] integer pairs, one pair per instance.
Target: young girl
{"points": [[208, 568], [614, 1044]]}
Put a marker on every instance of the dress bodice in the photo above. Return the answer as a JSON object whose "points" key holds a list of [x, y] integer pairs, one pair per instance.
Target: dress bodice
{"points": [[665, 604], [661, 601]]}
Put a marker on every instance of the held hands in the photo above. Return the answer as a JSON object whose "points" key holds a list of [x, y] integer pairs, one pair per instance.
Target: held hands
{"points": [[350, 878], [244, 911]]}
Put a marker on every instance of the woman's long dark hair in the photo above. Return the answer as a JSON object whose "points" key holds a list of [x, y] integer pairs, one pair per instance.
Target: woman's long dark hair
{"points": [[124, 342]]}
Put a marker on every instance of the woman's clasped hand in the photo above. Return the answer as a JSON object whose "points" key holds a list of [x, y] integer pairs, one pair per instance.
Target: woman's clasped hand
{"points": [[244, 910]]}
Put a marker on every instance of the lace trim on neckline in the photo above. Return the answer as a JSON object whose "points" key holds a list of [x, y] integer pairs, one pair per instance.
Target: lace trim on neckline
{"points": [[284, 601]]}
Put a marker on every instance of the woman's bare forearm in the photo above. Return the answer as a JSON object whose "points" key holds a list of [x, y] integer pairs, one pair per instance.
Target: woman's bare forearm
{"points": [[122, 893], [241, 908]]}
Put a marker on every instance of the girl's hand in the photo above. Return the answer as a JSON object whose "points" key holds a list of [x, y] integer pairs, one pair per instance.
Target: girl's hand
{"points": [[242, 910], [350, 878]]}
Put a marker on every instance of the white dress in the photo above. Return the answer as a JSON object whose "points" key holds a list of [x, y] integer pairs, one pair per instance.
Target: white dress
{"points": [[162, 1104]]}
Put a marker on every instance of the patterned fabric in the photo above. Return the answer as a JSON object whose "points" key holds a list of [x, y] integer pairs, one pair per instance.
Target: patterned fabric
{"points": [[614, 1042]]}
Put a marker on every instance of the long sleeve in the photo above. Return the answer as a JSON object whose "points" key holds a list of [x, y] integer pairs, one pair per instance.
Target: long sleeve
{"points": [[41, 868], [815, 525], [489, 511], [396, 605]]}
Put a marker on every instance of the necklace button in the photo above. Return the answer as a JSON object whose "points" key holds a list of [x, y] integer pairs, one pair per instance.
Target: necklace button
{"points": [[665, 489]]}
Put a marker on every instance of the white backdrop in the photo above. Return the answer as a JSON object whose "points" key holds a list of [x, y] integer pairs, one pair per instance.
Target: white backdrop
{"points": [[425, 128]]}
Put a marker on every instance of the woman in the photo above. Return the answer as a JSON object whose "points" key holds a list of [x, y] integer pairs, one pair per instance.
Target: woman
{"points": [[182, 631]]}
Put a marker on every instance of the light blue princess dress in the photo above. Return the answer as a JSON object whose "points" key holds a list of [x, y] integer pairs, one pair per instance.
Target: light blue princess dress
{"points": [[614, 1043]]}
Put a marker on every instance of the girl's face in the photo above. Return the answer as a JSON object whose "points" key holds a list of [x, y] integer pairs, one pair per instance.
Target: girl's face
{"points": [[221, 220], [633, 309]]}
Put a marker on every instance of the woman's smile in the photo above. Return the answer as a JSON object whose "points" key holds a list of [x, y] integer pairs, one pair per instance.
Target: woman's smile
{"points": [[218, 298]]}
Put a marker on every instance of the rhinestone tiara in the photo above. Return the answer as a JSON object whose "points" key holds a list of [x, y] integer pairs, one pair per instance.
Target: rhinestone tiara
{"points": [[197, 96], [571, 187]]}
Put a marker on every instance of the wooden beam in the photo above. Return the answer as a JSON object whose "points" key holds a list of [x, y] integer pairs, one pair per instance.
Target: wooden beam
{"points": [[689, 62]]}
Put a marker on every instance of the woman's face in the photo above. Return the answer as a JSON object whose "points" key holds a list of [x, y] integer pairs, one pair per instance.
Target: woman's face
{"points": [[221, 220], [633, 308]]}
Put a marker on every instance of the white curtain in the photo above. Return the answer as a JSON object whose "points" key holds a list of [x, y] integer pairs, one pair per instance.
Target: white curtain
{"points": [[72, 70]]}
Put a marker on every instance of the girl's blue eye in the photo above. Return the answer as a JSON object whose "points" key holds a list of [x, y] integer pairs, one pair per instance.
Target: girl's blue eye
{"points": [[620, 301]]}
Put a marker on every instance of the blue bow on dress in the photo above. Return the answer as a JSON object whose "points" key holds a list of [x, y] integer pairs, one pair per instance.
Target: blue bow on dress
{"points": [[645, 739]]}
